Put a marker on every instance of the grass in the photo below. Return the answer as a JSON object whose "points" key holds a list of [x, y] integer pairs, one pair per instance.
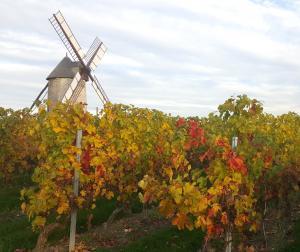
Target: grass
{"points": [[10, 193], [16, 233], [9, 198], [15, 229], [295, 246], [168, 239], [100, 214]]}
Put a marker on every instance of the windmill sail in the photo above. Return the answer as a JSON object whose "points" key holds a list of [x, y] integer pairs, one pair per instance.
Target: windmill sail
{"points": [[95, 53], [77, 92], [71, 89], [99, 90], [39, 98], [64, 32]]}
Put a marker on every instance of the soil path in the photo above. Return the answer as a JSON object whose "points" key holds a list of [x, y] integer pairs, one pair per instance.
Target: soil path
{"points": [[118, 234]]}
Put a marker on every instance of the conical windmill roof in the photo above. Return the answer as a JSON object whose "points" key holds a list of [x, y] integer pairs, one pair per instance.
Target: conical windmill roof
{"points": [[66, 68]]}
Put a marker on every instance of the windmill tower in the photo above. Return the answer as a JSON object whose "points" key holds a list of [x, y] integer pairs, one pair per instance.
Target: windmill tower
{"points": [[60, 79], [67, 82]]}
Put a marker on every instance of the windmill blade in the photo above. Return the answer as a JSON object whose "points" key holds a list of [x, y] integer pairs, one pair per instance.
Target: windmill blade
{"points": [[67, 37], [93, 57], [37, 100], [77, 91], [71, 89], [99, 90], [95, 53]]}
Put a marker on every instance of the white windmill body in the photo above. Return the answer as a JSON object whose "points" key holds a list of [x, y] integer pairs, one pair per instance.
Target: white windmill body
{"points": [[67, 82], [60, 79]]}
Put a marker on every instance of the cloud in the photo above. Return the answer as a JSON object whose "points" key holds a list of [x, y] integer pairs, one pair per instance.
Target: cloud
{"points": [[183, 57]]}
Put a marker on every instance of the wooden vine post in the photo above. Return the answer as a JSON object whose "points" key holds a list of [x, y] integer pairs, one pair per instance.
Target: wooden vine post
{"points": [[228, 234], [75, 188]]}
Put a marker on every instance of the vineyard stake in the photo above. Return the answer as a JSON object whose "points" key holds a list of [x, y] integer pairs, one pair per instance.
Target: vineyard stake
{"points": [[228, 235], [75, 188], [234, 142]]}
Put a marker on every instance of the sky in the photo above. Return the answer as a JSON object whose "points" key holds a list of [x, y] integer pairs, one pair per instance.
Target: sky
{"points": [[181, 57]]}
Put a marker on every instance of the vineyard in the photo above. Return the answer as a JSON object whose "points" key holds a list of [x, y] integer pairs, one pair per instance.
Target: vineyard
{"points": [[226, 182]]}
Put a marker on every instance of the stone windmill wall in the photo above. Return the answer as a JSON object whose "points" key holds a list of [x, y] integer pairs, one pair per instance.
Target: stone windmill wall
{"points": [[59, 80]]}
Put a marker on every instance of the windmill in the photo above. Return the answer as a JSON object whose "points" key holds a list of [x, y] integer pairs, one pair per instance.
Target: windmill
{"points": [[67, 82]]}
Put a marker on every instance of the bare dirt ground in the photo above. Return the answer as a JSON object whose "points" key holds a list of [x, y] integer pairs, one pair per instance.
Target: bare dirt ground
{"points": [[117, 234]]}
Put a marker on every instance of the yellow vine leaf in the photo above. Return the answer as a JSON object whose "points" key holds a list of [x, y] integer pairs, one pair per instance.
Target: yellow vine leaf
{"points": [[39, 221], [63, 207], [181, 221]]}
